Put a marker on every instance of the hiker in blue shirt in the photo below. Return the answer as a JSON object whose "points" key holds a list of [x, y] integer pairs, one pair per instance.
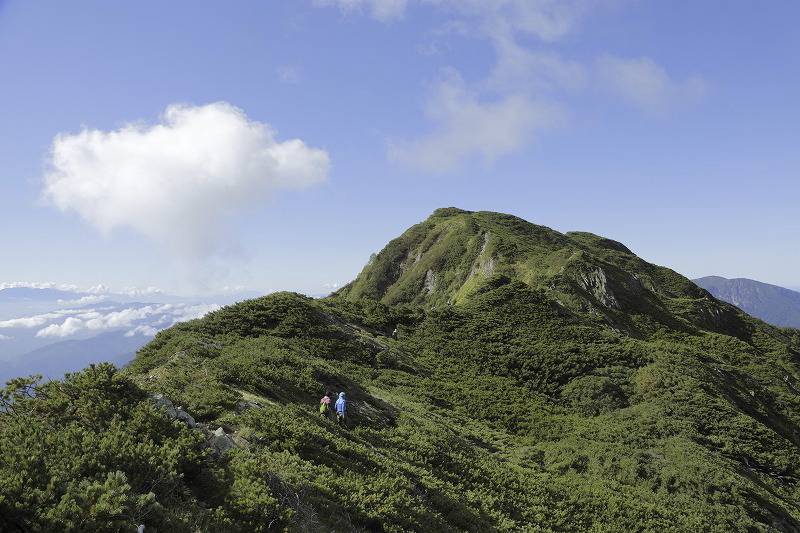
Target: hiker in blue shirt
{"points": [[341, 407]]}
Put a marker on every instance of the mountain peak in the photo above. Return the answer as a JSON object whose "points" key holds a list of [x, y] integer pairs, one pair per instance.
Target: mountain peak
{"points": [[449, 212], [448, 258]]}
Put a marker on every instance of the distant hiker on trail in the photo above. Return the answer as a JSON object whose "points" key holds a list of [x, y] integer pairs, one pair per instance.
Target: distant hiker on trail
{"points": [[341, 407], [325, 405], [394, 334]]}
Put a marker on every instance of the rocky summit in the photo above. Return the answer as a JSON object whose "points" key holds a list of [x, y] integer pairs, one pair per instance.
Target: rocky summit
{"points": [[499, 376]]}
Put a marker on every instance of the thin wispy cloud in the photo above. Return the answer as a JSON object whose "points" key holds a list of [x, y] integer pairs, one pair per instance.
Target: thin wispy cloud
{"points": [[382, 10], [96, 293], [177, 182], [643, 84], [467, 126], [290, 75], [526, 90], [37, 285], [541, 72], [30, 322], [85, 300], [546, 20]]}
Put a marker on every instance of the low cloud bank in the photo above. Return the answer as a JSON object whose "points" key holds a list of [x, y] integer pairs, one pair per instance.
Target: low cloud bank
{"points": [[146, 320]]}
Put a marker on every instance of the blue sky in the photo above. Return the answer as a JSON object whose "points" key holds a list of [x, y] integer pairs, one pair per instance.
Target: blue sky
{"points": [[198, 146]]}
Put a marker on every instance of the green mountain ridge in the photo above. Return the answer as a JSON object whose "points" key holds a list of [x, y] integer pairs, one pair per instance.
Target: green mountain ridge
{"points": [[444, 259], [539, 381]]}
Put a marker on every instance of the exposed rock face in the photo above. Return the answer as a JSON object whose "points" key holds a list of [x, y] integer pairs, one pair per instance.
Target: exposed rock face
{"points": [[486, 264], [596, 283], [187, 419], [430, 280]]}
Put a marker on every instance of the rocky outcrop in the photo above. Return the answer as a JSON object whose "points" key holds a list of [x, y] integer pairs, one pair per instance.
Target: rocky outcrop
{"points": [[217, 441], [596, 283], [160, 401], [430, 280]]}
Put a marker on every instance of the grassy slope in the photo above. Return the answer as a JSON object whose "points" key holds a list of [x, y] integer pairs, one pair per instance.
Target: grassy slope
{"points": [[495, 415]]}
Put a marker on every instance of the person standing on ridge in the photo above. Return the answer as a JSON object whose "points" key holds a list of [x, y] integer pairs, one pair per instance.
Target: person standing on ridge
{"points": [[341, 407]]}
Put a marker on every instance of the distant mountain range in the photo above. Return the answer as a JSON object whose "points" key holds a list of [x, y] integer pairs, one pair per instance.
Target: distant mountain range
{"points": [[37, 294], [772, 304], [53, 360]]}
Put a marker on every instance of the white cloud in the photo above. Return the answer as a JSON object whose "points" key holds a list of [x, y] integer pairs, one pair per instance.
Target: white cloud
{"points": [[126, 317], [232, 289], [645, 85], [467, 125], [177, 181], [4, 337], [84, 300], [190, 312], [70, 326], [29, 322], [146, 331], [148, 291], [98, 289], [145, 319]]}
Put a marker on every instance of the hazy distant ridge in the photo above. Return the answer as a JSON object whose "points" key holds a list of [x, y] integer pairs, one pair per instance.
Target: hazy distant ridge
{"points": [[772, 304]]}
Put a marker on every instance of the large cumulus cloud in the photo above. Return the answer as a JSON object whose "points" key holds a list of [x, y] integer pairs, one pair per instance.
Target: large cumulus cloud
{"points": [[177, 181]]}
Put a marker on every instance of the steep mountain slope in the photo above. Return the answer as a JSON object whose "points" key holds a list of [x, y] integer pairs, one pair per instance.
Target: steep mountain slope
{"points": [[772, 304], [538, 382]]}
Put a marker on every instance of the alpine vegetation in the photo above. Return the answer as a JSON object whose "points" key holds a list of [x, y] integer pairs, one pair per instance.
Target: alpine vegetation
{"points": [[481, 374]]}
